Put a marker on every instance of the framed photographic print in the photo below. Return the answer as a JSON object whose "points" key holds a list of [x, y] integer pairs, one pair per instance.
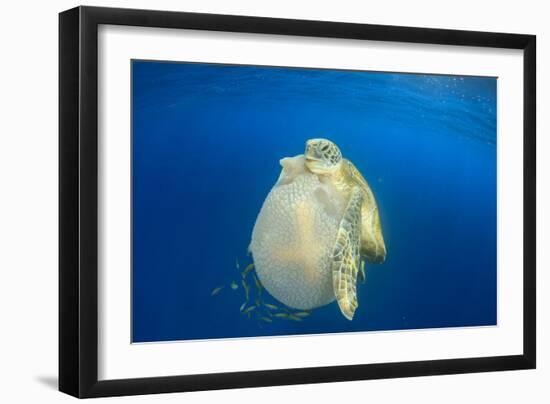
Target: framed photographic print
{"points": [[250, 201]]}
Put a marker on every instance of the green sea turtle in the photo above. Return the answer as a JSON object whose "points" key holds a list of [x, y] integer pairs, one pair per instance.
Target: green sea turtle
{"points": [[315, 227]]}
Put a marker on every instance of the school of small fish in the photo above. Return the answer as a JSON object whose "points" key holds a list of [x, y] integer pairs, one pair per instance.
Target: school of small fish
{"points": [[257, 308]]}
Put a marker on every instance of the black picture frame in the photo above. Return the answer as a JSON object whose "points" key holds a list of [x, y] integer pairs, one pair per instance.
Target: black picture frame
{"points": [[78, 201]]}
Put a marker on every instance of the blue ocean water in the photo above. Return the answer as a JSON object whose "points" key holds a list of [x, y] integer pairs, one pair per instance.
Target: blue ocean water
{"points": [[206, 143]]}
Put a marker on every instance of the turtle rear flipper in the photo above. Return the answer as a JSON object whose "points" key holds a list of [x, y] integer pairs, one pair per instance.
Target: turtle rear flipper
{"points": [[346, 255]]}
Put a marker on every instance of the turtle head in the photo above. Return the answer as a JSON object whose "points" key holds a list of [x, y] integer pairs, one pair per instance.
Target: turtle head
{"points": [[322, 156]]}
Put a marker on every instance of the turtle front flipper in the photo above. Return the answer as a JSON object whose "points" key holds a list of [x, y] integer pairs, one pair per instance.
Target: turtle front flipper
{"points": [[346, 255]]}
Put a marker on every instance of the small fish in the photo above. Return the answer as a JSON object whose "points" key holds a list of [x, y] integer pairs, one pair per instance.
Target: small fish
{"points": [[361, 274], [248, 268], [302, 313], [266, 319], [249, 309], [243, 306], [295, 318], [271, 306], [237, 264], [215, 291], [258, 284], [281, 315], [234, 285], [246, 289]]}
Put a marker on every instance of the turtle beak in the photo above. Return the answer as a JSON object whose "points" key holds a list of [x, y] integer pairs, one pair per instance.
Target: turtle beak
{"points": [[311, 152], [313, 163], [311, 159]]}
